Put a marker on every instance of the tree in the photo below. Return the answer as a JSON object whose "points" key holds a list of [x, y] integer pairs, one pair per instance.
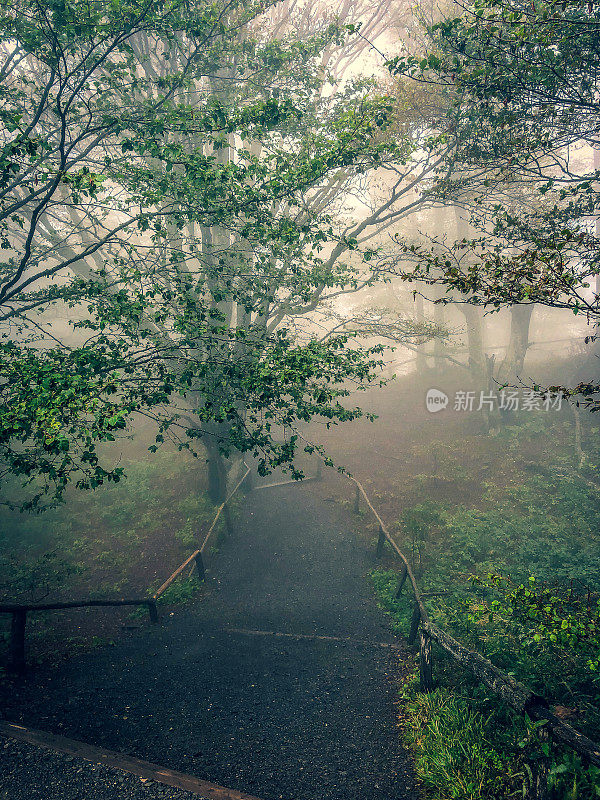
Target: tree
{"points": [[103, 167], [524, 82]]}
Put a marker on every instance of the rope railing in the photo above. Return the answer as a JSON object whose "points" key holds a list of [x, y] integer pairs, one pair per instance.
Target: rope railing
{"points": [[19, 611], [516, 695]]}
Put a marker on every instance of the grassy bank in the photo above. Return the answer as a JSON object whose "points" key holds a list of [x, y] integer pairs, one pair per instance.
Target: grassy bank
{"points": [[122, 539], [517, 572]]}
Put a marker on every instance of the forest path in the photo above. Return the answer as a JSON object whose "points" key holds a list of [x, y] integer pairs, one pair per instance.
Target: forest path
{"points": [[211, 692]]}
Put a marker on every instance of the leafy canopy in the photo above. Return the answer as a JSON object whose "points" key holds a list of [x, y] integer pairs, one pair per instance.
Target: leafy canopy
{"points": [[154, 168]]}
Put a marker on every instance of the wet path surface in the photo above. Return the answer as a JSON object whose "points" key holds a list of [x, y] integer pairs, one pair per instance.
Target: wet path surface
{"points": [[274, 716]]}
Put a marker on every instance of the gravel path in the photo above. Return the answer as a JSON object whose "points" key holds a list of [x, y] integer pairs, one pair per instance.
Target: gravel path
{"points": [[34, 773], [277, 717]]}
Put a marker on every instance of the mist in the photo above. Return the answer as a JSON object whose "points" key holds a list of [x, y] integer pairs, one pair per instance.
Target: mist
{"points": [[299, 367]]}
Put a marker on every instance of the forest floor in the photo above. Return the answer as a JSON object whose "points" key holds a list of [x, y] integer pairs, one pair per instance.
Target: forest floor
{"points": [[211, 692]]}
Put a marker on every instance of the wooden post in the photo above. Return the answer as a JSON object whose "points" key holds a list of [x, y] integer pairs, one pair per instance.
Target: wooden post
{"points": [[200, 572], [153, 611], [357, 501], [319, 474], [414, 624], [402, 582], [380, 542], [17, 641], [535, 786], [425, 666]]}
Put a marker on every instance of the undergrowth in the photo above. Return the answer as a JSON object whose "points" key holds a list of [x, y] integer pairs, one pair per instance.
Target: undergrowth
{"points": [[515, 575], [102, 541], [122, 539], [467, 744], [181, 591]]}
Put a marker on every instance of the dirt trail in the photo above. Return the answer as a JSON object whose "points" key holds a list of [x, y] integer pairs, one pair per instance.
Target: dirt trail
{"points": [[204, 693]]}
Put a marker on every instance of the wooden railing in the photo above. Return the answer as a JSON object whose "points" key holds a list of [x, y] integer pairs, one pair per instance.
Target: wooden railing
{"points": [[515, 694], [196, 560], [19, 611], [519, 697]]}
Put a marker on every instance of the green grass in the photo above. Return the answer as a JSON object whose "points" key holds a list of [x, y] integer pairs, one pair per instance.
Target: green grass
{"points": [[455, 753], [466, 743], [531, 515]]}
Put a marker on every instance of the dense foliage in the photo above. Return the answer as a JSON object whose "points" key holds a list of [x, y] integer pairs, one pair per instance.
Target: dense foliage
{"points": [[157, 207]]}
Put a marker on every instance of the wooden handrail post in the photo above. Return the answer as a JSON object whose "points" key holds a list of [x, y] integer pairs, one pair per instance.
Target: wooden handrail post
{"points": [[153, 611], [425, 664], [380, 543], [200, 571], [17, 641], [414, 624], [357, 501], [402, 582]]}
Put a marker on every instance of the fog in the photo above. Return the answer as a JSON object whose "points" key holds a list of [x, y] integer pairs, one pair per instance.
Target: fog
{"points": [[299, 358]]}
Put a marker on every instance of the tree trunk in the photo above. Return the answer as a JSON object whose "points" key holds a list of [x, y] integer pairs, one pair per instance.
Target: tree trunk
{"points": [[439, 318], [474, 320], [518, 345], [217, 474], [473, 314]]}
